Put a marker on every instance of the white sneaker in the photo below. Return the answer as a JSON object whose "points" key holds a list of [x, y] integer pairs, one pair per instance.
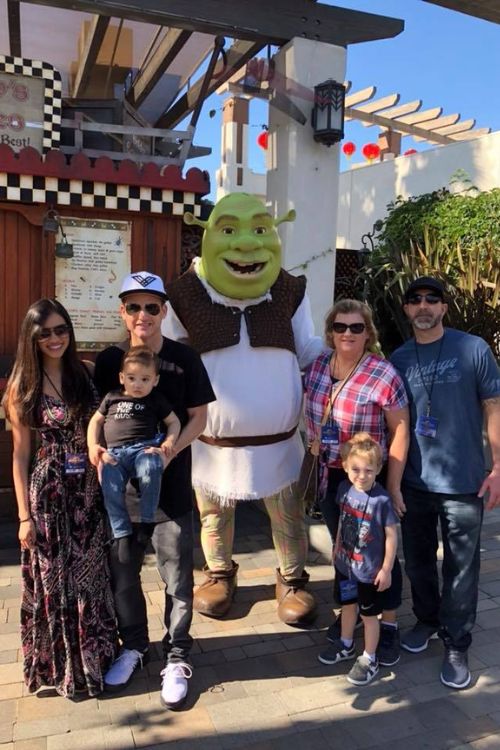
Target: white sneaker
{"points": [[121, 671], [174, 685]]}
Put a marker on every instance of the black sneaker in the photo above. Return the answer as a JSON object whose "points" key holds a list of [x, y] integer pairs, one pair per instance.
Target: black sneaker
{"points": [[363, 671], [388, 646], [337, 652], [455, 670], [417, 639], [334, 631]]}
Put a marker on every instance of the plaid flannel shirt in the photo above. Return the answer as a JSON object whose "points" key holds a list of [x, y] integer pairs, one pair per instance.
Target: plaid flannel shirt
{"points": [[360, 405]]}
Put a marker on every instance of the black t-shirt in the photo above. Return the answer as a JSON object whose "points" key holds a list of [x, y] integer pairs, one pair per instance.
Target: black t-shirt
{"points": [[185, 384], [131, 420]]}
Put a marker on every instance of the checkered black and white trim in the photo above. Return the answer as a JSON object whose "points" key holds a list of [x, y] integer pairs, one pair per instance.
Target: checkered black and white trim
{"points": [[52, 102], [57, 191]]}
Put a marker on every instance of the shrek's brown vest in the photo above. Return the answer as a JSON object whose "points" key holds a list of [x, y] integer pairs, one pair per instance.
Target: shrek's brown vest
{"points": [[214, 326]]}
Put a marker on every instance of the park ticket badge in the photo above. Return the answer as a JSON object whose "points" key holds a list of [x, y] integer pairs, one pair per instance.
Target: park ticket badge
{"points": [[426, 426], [75, 463], [330, 434]]}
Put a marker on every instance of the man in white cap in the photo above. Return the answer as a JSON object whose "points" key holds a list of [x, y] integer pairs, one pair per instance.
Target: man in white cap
{"points": [[185, 383]]}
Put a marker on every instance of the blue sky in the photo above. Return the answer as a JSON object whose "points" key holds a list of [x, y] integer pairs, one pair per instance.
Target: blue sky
{"points": [[445, 58]]}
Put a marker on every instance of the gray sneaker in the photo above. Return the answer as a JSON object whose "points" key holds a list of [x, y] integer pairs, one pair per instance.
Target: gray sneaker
{"points": [[336, 652], [388, 646], [363, 671], [455, 670], [417, 639]]}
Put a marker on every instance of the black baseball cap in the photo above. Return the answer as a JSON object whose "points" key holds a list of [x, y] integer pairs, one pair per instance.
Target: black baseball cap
{"points": [[425, 282]]}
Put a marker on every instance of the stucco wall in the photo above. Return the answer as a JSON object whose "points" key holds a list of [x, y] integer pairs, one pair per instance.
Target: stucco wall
{"points": [[366, 190]]}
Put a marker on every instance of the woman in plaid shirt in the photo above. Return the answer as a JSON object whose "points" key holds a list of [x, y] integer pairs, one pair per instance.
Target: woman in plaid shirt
{"points": [[371, 399]]}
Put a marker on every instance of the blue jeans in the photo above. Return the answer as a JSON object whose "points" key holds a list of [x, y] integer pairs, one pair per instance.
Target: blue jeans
{"points": [[453, 610], [133, 462]]}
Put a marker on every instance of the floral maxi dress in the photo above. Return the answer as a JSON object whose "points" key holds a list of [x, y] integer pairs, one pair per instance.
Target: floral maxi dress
{"points": [[68, 625]]}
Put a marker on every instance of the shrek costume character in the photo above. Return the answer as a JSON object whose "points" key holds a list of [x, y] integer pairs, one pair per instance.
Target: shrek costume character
{"points": [[251, 323]]}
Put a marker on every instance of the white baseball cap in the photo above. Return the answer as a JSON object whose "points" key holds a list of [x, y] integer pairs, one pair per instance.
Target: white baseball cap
{"points": [[143, 281]]}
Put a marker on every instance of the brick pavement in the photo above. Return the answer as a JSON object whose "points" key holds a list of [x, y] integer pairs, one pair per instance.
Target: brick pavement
{"points": [[257, 683]]}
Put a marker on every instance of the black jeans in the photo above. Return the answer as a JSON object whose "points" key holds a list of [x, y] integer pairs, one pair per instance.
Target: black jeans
{"points": [[173, 543], [391, 597], [453, 611]]}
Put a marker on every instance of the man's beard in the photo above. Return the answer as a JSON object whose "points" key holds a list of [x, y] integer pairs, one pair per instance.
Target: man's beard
{"points": [[425, 323]]}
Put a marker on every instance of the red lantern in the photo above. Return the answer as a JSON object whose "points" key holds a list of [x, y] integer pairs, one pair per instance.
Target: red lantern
{"points": [[349, 148], [410, 151], [262, 139], [371, 151]]}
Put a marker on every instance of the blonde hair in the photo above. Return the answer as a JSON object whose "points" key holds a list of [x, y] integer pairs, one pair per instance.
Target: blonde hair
{"points": [[362, 444], [344, 306]]}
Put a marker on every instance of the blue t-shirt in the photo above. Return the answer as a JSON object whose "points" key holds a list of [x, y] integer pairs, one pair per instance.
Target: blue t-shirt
{"points": [[363, 518], [465, 374]]}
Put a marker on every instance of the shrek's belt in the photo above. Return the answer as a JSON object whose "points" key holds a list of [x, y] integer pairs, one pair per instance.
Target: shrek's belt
{"points": [[242, 442]]}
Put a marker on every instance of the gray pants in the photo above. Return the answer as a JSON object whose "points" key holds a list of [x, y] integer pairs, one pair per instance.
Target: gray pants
{"points": [[173, 544]]}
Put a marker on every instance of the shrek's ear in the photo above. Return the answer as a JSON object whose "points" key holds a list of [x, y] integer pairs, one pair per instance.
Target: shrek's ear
{"points": [[290, 216], [191, 219]]}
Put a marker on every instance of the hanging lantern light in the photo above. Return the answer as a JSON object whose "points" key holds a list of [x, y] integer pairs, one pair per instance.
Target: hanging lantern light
{"points": [[410, 151], [371, 151], [348, 149], [263, 140], [327, 116]]}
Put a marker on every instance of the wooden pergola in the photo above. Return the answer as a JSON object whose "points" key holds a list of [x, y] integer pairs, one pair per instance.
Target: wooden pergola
{"points": [[188, 48]]}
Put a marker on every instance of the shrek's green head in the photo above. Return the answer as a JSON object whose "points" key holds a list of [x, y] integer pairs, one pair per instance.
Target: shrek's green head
{"points": [[241, 248]]}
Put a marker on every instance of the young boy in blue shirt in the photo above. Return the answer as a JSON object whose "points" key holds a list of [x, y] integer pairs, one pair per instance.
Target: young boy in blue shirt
{"points": [[364, 555]]}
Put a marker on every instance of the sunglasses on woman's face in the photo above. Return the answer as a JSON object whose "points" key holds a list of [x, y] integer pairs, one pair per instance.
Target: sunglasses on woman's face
{"points": [[151, 308], [431, 299], [352, 327], [62, 330]]}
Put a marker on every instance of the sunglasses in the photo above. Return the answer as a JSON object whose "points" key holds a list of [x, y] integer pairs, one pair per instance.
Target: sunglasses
{"points": [[352, 327], [133, 308], [432, 299], [62, 330]]}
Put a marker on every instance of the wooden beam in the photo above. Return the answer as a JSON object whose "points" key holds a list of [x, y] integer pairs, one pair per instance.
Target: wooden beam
{"points": [[425, 116], [403, 109], [487, 9], [98, 27], [399, 126], [14, 19], [458, 128], [237, 55], [470, 134], [378, 104], [441, 122], [360, 96], [149, 74], [276, 22]]}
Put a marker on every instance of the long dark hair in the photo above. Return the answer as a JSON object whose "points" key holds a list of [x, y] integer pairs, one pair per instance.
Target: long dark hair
{"points": [[24, 387]]}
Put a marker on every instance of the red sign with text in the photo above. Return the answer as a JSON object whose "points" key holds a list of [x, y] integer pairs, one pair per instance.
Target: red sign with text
{"points": [[21, 111]]}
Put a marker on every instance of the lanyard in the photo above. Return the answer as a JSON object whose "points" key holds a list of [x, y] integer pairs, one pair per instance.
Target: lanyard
{"points": [[53, 386], [428, 390]]}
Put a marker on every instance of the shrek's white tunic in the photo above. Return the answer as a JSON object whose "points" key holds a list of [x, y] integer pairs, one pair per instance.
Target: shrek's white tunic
{"points": [[259, 392]]}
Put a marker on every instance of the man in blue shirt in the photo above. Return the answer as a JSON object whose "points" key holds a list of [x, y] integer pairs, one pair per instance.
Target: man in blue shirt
{"points": [[453, 383]]}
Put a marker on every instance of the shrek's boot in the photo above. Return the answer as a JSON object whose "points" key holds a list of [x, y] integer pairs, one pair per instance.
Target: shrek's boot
{"points": [[213, 597], [295, 605]]}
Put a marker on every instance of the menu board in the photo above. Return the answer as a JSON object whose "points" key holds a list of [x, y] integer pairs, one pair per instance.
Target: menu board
{"points": [[21, 111], [88, 284]]}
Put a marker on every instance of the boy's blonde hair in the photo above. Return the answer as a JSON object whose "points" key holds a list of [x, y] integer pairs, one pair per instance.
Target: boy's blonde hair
{"points": [[362, 444]]}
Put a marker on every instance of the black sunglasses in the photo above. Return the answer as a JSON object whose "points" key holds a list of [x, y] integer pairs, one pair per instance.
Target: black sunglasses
{"points": [[432, 299], [352, 327], [62, 330], [152, 308]]}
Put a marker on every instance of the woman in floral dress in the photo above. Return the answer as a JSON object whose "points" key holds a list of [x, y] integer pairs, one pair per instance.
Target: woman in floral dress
{"points": [[67, 618]]}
